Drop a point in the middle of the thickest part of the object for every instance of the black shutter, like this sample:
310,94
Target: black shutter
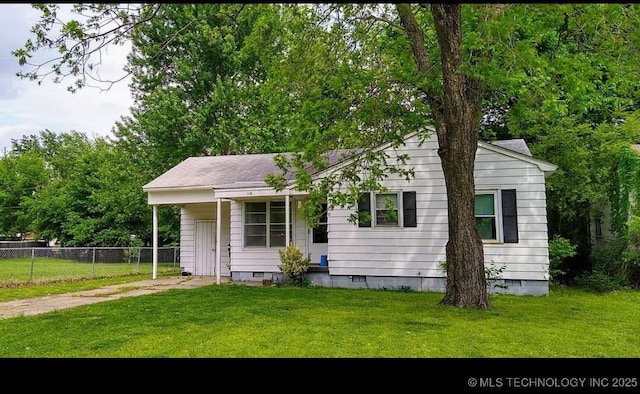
509,216
409,209
364,207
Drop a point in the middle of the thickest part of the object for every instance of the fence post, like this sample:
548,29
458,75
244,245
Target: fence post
175,249
93,264
138,266
32,258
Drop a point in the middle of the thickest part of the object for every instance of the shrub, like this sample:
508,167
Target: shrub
293,265
601,283
559,249
619,257
492,274
630,266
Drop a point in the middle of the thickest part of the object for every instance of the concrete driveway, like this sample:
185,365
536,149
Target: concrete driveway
39,305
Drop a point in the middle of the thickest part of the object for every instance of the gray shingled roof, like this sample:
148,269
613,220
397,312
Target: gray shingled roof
241,171
516,145
223,172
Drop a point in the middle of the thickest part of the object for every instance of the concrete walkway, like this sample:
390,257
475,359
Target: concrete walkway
39,305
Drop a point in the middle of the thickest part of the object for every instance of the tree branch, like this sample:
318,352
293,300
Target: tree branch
77,57
421,57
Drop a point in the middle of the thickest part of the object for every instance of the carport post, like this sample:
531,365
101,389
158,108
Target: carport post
287,218
155,242
218,240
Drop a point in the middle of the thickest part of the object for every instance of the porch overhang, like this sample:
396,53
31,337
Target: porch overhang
256,192
178,196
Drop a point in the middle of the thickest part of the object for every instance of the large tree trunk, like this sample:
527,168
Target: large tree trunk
466,282
457,117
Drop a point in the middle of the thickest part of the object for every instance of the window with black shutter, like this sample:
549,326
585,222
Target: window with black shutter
485,211
489,208
387,209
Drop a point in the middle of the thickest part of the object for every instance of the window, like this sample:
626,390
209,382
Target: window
255,224
496,215
396,209
386,209
485,213
598,228
265,222
277,224
320,231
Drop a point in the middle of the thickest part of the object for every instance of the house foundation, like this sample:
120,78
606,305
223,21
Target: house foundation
320,277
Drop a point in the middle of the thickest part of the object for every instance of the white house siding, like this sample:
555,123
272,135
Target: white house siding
529,258
259,263
420,251
189,213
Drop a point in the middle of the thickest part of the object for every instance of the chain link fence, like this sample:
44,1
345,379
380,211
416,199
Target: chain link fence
58,263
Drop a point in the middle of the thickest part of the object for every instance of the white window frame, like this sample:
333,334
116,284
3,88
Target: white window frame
268,225
245,224
497,211
374,206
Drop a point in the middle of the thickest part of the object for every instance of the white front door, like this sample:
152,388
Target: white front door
318,245
205,245
316,249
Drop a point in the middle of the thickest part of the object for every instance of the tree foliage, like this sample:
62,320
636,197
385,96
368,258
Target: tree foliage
200,91
21,176
339,98
624,189
199,77
79,42
567,85
84,196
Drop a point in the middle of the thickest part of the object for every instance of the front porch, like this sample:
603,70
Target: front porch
238,234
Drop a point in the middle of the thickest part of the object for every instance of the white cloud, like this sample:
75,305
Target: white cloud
28,108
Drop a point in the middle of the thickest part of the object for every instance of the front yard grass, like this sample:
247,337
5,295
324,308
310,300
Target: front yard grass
237,321
24,270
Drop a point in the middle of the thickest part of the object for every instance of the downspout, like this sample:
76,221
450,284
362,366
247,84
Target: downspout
218,241
155,242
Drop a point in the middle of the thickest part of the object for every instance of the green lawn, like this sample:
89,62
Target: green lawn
22,270
237,321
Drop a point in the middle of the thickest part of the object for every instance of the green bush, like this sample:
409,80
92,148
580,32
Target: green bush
600,282
559,249
630,266
492,274
606,256
293,265
619,257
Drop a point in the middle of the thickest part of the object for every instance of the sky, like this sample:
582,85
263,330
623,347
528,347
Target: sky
27,108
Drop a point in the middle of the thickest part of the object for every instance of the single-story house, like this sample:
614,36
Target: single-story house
232,224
